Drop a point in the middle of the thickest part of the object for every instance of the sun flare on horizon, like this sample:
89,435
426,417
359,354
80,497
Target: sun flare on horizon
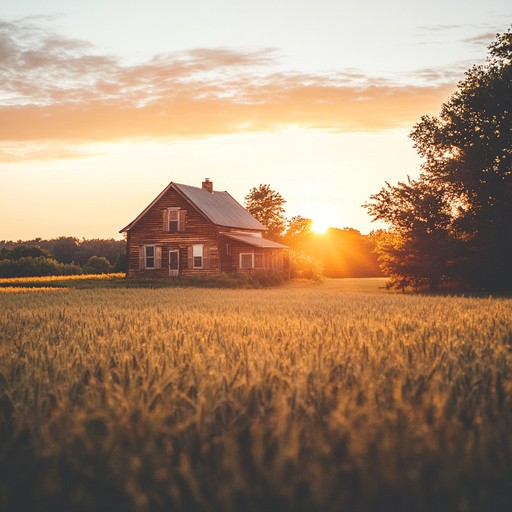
320,224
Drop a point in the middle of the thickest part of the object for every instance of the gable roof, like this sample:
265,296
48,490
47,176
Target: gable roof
218,207
221,208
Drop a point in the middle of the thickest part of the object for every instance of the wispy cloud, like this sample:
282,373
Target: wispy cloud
56,92
481,39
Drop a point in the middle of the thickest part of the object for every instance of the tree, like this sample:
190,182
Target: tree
23,251
418,249
298,230
456,217
64,248
97,265
267,206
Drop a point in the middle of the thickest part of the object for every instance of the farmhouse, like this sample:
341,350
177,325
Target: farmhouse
190,230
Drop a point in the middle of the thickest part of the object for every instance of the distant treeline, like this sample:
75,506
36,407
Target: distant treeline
61,256
337,253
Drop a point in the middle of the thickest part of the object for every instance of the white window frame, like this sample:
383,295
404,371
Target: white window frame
197,252
242,254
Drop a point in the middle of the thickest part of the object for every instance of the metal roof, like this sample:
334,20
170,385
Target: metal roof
256,241
220,207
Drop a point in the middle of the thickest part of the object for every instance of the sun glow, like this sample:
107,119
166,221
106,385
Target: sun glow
320,224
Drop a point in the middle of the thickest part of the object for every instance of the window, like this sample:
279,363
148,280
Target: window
258,260
246,260
228,250
150,257
174,220
197,254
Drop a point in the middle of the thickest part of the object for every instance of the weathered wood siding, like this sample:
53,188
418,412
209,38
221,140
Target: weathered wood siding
149,230
269,257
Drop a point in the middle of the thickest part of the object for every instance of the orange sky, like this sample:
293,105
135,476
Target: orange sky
85,130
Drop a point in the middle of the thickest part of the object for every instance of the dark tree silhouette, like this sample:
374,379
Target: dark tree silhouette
460,208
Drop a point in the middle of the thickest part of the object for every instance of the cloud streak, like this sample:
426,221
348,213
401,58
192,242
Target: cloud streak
55,90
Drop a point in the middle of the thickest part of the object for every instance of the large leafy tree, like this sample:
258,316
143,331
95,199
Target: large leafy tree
418,249
267,206
467,169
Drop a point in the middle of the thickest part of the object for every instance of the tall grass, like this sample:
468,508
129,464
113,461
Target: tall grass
299,398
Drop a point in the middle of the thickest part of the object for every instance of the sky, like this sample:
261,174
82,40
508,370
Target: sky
104,103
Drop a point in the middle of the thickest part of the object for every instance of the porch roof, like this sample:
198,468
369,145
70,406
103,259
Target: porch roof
255,241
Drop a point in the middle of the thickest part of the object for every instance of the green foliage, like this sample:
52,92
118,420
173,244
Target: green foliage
456,216
419,248
303,266
113,250
23,251
97,265
298,231
67,249
336,253
69,252
118,280
39,266
267,206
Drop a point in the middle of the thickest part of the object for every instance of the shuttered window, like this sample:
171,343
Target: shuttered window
174,220
197,253
150,257
198,256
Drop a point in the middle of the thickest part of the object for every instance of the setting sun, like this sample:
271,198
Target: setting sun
320,224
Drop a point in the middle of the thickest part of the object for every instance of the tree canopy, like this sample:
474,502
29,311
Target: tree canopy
455,221
267,206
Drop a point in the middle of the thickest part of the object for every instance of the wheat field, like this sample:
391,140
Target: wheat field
336,396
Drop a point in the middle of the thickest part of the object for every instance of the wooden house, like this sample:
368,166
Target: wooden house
190,230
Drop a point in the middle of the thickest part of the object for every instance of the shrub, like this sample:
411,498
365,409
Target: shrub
36,267
97,265
304,266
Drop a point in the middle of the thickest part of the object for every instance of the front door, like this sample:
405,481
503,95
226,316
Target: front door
174,262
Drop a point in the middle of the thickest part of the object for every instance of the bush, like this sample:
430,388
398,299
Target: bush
97,265
306,267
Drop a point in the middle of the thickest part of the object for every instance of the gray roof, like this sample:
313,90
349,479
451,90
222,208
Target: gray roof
219,207
256,241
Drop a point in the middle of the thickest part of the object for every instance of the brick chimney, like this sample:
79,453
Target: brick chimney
208,185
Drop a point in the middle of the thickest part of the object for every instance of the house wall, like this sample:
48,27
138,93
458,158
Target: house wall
149,230
273,260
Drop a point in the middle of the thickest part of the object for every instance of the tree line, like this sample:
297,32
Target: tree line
61,256
452,226
337,253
